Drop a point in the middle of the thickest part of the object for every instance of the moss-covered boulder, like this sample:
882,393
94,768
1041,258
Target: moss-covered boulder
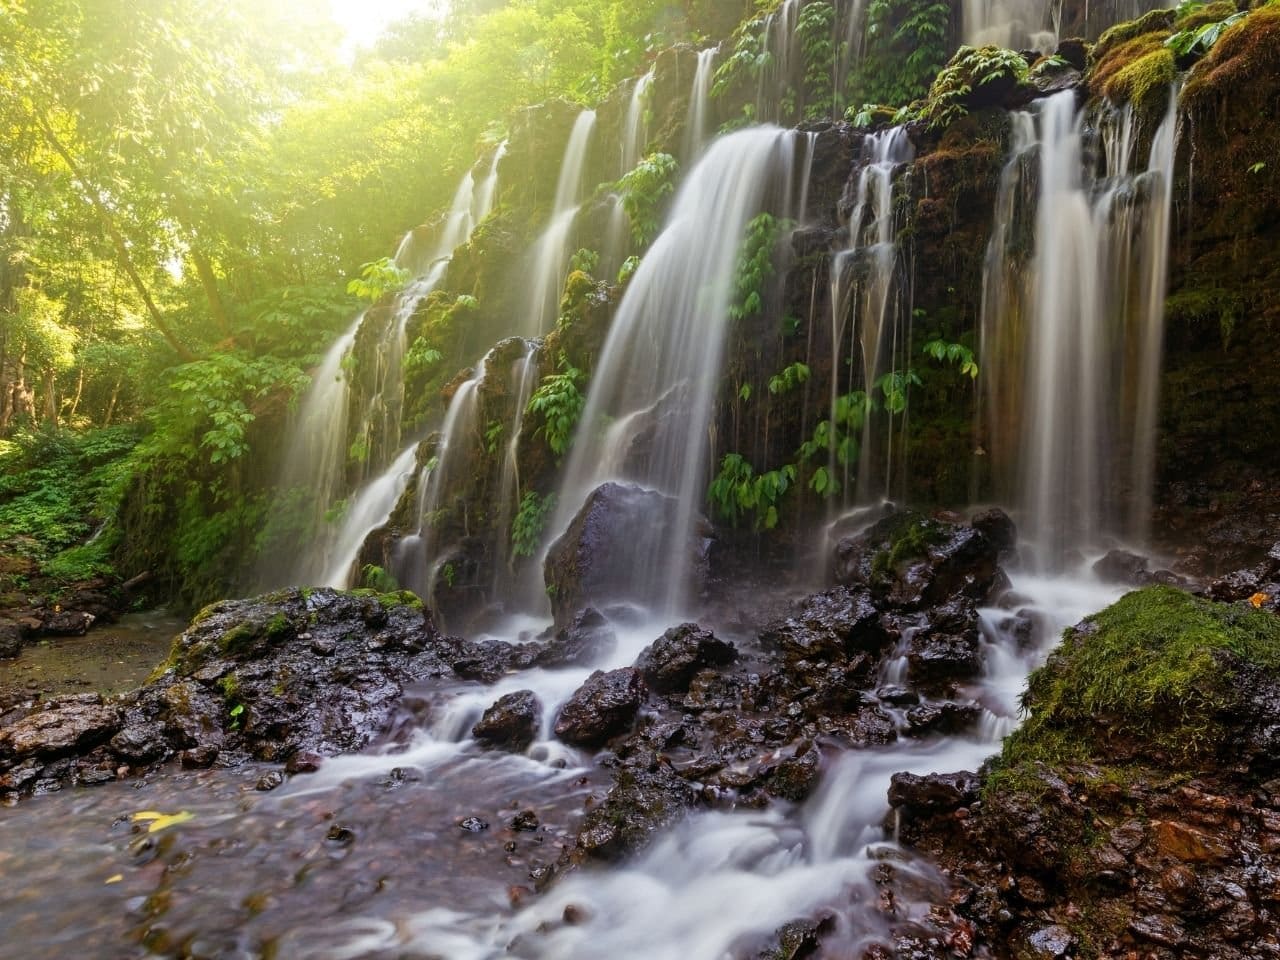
1137,811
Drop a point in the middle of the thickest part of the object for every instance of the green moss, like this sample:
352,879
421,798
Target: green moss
1144,82
1210,13
389,601
1148,671
1246,54
909,540
1206,305
239,638
1121,33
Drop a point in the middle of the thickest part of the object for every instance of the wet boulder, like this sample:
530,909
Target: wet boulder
65,727
998,527
586,639
10,640
670,662
603,707
910,561
595,561
934,792
1121,566
640,802
937,659
67,623
830,625
511,723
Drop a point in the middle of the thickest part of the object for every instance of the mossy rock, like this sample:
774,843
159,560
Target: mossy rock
975,77
1154,680
1135,71
1157,21
1247,53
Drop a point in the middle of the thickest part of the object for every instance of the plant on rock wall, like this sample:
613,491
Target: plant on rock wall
529,522
953,353
643,190
584,260
420,357
378,278
814,27
738,491
558,401
1200,40
376,578
755,265
906,46
975,76
789,378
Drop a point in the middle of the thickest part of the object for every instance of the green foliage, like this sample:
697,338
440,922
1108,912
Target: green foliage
493,436
905,48
1199,40
584,261
791,377
755,265
643,191
420,357
558,403
738,492
894,387
377,279
814,28
376,578
529,523
953,353
974,75
55,488
628,268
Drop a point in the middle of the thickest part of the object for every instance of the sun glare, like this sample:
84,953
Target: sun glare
362,21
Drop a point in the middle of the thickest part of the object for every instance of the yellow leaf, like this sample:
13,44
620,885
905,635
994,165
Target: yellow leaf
116,878
161,821
1258,599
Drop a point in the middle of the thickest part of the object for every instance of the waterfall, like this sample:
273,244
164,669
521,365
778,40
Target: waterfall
523,377
656,380
1077,352
1013,24
864,281
781,56
635,137
695,126
315,470
551,252
369,508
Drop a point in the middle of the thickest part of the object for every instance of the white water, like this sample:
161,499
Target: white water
659,370
1088,339
1013,24
551,252
635,136
697,119
718,879
864,278
317,457
523,377
781,58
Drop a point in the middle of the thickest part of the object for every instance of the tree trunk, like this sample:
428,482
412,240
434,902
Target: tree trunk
49,387
209,283
111,404
75,401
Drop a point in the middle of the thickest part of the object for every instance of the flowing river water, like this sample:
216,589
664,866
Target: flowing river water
372,856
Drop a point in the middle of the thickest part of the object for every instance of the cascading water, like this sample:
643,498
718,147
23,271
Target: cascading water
656,379
1088,335
780,57
316,469
551,252
369,508
524,375
416,553
634,138
864,283
696,122
1013,24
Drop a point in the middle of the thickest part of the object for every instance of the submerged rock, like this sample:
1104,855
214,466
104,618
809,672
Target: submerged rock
586,639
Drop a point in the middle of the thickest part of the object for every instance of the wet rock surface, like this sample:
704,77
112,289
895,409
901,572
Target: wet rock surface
315,672
601,708
511,723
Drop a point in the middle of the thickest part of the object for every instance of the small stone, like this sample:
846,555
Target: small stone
525,820
473,824
1052,941
340,835
269,781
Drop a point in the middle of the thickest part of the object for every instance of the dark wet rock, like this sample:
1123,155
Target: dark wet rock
897,696
944,718
244,681
586,639
670,662
68,726
830,625
304,761
473,824
594,561
796,776
525,820
710,690
640,802
938,659
935,792
1054,940
603,707
511,723
908,560
67,623
998,527
10,640
1121,566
